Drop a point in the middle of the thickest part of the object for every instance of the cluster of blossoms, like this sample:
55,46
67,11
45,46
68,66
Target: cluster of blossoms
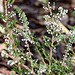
4,20
42,69
28,73
9,5
11,14
72,33
62,12
7,37
3,17
45,8
11,49
21,56
4,54
25,31
68,48
53,7
52,21
11,62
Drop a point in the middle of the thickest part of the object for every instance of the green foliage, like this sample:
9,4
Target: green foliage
23,57
47,1
17,43
43,5
74,13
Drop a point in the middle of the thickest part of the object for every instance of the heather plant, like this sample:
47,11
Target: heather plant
19,56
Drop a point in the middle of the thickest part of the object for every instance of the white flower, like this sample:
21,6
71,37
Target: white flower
11,52
4,54
8,62
11,62
45,8
60,8
21,56
15,61
24,58
7,41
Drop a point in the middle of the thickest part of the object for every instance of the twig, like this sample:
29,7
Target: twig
31,58
52,41
50,12
11,32
19,66
6,15
51,54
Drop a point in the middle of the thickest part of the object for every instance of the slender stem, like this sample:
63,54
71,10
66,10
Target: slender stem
19,66
50,12
60,34
6,15
31,59
51,54
52,41
11,32
59,73
40,53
